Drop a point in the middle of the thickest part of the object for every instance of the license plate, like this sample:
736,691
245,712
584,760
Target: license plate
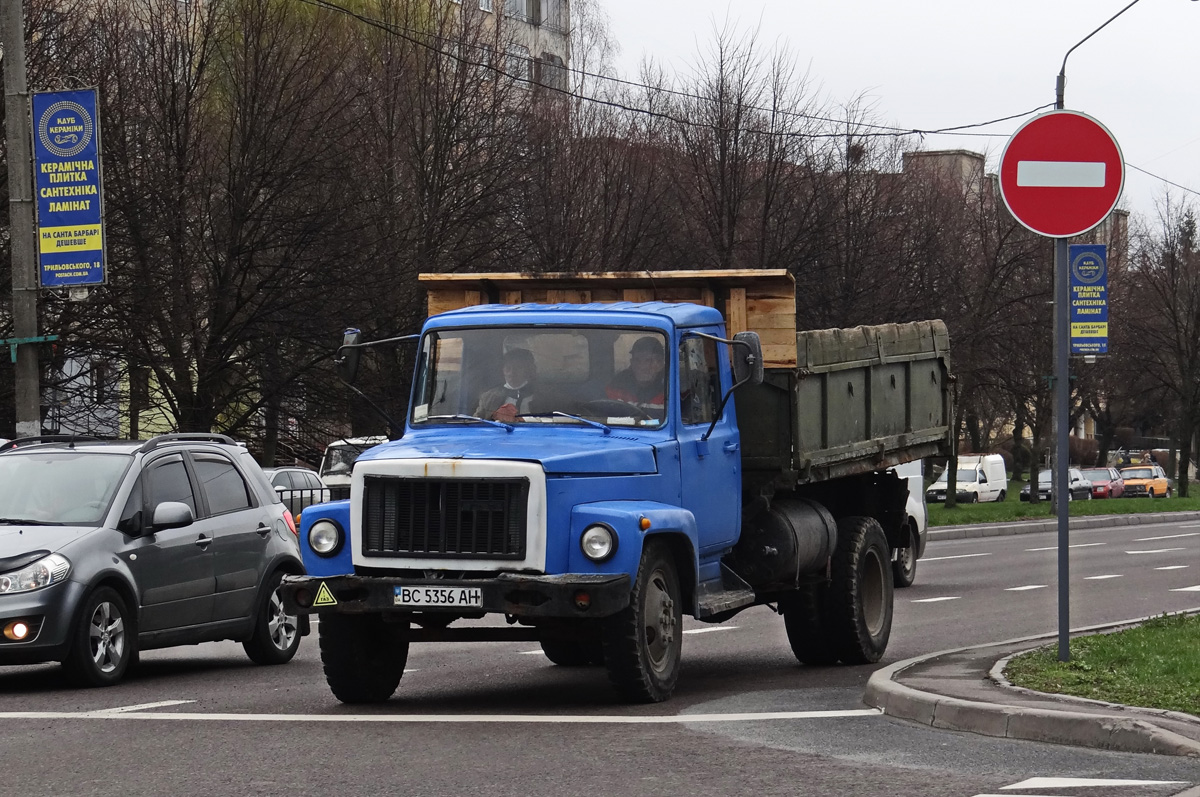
453,597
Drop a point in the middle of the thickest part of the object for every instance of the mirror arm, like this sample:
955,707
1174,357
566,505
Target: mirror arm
341,349
395,427
732,389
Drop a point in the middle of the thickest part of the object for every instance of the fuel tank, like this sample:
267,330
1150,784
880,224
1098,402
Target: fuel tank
793,536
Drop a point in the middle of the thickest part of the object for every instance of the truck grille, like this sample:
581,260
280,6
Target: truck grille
432,518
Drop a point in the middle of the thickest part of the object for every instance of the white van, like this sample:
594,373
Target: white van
904,560
338,461
981,477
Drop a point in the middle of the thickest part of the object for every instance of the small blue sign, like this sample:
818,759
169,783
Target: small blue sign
1089,298
66,168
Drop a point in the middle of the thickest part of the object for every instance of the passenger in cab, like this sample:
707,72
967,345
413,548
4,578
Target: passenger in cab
643,383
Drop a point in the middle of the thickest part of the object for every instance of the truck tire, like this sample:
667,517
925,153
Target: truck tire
643,643
858,603
363,656
904,567
803,617
571,653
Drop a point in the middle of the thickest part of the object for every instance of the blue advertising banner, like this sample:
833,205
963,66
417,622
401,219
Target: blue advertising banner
66,168
1089,298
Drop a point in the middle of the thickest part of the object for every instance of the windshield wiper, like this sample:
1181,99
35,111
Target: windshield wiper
22,521
506,426
558,414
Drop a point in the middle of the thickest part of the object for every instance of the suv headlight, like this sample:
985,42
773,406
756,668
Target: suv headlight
42,573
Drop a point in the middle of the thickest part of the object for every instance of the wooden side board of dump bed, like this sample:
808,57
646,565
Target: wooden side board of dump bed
763,301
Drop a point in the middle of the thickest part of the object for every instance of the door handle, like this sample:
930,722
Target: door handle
263,529
730,446
203,542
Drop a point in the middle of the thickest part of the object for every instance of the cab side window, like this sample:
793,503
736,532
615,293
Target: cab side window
224,487
699,380
167,480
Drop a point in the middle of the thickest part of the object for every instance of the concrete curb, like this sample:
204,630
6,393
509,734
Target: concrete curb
937,533
1105,731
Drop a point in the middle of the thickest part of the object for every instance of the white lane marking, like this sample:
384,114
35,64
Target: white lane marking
1098,578
1173,567
1024,588
1158,550
1188,589
1075,783
960,556
934,600
1189,525
542,719
1060,174
537,652
140,707
1169,537
1010,794
708,630
1077,545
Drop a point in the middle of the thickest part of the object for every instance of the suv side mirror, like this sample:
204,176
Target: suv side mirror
347,355
747,358
172,515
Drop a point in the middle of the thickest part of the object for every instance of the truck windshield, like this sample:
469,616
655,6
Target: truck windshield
609,375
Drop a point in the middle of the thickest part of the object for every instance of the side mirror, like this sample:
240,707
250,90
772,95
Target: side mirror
172,515
747,358
347,355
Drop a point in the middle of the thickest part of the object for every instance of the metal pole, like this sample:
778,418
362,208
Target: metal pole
1062,422
20,214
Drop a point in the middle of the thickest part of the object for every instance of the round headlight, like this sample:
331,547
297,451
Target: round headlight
325,537
598,542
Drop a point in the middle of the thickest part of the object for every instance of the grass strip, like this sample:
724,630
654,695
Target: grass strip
1155,665
1014,509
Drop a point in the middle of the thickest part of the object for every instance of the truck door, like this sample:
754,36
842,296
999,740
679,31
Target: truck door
711,469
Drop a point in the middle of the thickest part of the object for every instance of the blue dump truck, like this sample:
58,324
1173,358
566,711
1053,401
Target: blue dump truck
588,457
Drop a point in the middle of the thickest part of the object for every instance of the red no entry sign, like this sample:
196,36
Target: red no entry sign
1061,173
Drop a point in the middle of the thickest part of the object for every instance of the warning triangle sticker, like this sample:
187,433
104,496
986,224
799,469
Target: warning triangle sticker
324,596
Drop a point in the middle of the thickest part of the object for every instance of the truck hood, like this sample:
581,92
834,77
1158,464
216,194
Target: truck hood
581,452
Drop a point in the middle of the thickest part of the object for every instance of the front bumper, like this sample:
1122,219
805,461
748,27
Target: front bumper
508,593
939,496
49,611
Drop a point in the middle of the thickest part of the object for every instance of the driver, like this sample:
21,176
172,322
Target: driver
515,396
643,383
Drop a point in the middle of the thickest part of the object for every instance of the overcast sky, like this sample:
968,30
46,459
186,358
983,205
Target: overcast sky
928,64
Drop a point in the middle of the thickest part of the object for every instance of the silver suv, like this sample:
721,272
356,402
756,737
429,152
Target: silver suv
111,548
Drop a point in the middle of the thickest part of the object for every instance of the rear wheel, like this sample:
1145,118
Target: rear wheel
858,609
105,640
1003,495
643,644
904,566
363,656
804,620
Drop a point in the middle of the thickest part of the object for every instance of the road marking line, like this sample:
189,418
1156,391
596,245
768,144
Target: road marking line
1158,550
544,719
934,600
1169,537
537,652
1098,578
1077,545
707,630
1188,589
1172,567
1024,588
1073,783
1189,525
1060,174
960,556
140,707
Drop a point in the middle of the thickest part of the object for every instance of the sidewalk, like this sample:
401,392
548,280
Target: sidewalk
964,689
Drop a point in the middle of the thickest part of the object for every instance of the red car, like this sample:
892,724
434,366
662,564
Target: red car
1106,482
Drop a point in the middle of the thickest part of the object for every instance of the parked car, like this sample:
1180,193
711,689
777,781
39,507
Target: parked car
1146,480
979,477
1106,482
111,548
297,488
904,561
1079,488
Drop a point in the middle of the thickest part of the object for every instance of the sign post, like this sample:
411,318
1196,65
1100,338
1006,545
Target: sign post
1061,174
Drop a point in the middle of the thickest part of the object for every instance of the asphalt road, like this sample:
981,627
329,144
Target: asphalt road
499,719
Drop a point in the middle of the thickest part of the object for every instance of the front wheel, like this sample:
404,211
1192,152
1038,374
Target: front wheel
363,656
105,640
904,566
276,635
643,644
